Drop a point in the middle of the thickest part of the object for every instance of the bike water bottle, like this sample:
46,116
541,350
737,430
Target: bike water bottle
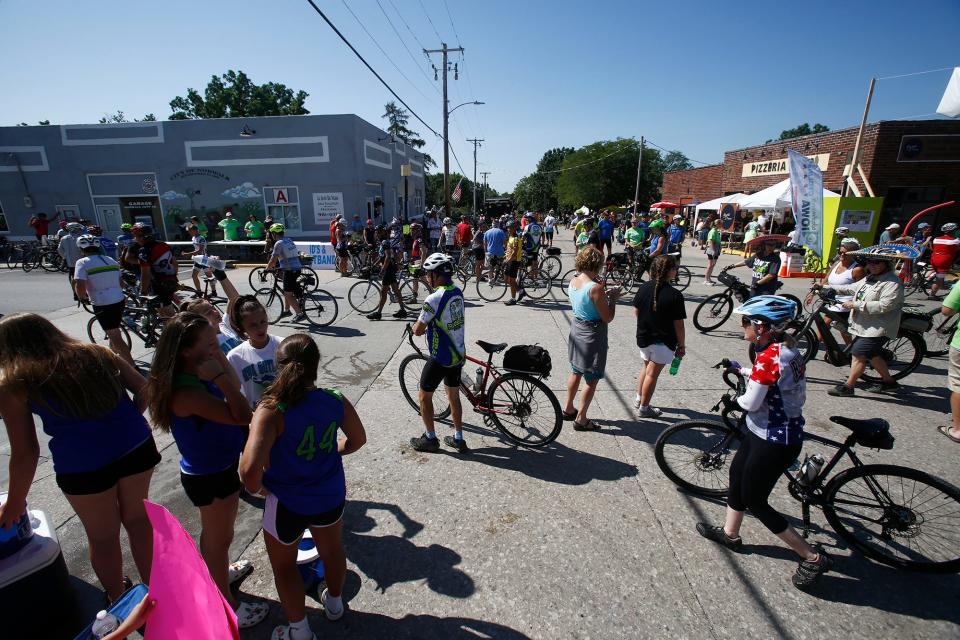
105,624
811,468
478,381
675,365
466,380
144,323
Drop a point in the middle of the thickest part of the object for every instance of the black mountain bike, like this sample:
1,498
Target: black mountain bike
896,515
319,305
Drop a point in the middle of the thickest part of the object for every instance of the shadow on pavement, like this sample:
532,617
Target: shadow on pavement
556,463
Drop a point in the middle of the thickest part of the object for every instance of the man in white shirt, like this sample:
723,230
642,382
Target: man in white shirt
548,223
97,279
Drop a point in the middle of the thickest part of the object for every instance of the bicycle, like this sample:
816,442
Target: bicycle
143,319
492,285
812,263
258,276
364,296
516,403
716,308
884,511
937,338
319,305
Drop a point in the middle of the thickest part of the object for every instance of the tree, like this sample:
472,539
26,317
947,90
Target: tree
676,161
802,130
538,191
41,123
398,119
604,173
119,116
234,95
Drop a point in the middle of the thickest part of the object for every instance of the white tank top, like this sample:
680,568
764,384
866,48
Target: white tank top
840,279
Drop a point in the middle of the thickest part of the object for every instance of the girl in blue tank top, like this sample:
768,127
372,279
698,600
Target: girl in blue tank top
103,452
195,394
294,456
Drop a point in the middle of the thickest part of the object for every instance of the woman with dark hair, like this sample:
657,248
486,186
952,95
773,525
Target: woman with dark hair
659,310
102,449
194,393
295,458
593,309
658,239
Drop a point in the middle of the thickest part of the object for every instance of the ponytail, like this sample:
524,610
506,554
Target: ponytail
660,270
298,359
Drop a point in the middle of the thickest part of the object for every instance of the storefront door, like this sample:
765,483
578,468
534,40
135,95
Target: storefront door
109,218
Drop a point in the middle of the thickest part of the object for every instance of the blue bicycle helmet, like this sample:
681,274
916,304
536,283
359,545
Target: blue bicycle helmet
773,310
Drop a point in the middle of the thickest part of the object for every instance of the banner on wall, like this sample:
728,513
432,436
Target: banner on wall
806,196
323,253
326,206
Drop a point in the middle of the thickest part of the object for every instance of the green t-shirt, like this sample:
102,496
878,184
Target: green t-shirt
583,239
714,235
952,301
634,237
201,227
254,230
231,228
578,228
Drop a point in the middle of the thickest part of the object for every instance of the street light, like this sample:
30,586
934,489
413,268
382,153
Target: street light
465,103
446,146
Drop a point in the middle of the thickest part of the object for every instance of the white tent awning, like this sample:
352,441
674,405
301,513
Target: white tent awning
714,205
775,197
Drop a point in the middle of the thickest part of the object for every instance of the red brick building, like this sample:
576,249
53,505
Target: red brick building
912,164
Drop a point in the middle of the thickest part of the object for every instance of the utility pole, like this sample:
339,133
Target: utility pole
636,191
444,50
485,174
476,143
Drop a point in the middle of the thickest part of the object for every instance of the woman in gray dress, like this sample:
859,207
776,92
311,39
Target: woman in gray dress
593,309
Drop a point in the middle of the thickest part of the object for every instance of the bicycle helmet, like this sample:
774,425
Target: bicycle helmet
922,226
88,241
656,224
447,221
126,226
276,228
775,311
851,244
75,227
841,231
369,222
948,228
439,263
528,215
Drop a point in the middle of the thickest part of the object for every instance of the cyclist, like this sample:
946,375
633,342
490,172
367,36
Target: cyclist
495,244
477,248
658,239
531,239
945,249
605,229
442,319
369,234
158,268
773,403
514,258
548,224
342,246
62,231
418,253
463,235
712,251
286,257
97,279
846,271
199,251
448,236
388,276
675,233
633,239
766,269
356,229
69,251
124,240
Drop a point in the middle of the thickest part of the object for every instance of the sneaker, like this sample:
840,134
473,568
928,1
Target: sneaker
286,314
883,387
402,313
300,317
373,316
331,615
717,534
841,391
457,443
636,403
807,572
709,283
521,295
510,302
423,443
648,412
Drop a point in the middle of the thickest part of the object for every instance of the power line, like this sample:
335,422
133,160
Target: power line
447,7
400,15
385,54
918,73
439,37
463,62
629,143
410,53
367,65
654,144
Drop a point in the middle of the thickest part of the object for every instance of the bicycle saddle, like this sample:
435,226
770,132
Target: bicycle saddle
490,347
873,432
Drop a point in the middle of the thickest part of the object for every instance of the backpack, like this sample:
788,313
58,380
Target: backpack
529,358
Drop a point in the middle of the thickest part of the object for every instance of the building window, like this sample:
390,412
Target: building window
68,211
4,227
283,205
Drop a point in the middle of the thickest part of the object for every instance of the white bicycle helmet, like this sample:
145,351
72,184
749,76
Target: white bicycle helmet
447,221
439,263
841,231
949,227
88,242
850,243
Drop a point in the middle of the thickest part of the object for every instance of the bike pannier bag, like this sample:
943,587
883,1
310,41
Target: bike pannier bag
916,321
553,251
529,358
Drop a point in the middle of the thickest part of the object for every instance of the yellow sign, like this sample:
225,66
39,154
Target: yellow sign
779,166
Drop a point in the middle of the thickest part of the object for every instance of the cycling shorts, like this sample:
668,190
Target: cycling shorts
291,283
513,268
203,489
287,526
109,316
478,252
164,290
433,372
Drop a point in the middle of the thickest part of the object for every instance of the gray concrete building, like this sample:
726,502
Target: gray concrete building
301,170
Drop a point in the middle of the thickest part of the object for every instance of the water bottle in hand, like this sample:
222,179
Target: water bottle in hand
675,365
105,624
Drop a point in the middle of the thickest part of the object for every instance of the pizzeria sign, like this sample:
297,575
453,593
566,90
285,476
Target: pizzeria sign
779,166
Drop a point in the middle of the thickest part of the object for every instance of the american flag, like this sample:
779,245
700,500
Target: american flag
457,192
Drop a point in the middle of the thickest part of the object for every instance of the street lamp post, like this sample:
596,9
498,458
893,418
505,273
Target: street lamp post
446,144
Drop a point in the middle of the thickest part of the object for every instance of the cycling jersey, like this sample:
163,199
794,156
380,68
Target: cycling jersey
532,236
199,245
775,395
514,248
159,257
108,247
287,254
102,277
443,314
945,249
676,233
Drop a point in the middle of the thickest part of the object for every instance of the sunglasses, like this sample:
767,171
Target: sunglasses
876,261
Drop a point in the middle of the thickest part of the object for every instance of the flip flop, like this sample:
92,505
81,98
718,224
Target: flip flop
250,614
590,425
239,570
567,417
945,430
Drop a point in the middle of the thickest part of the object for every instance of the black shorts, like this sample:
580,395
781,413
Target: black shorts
288,526
164,290
530,259
548,234
513,268
343,252
109,316
142,458
433,372
494,261
390,275
290,283
478,252
608,243
867,347
202,489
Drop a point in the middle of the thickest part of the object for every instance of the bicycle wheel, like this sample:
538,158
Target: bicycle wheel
410,369
259,278
712,312
94,330
364,296
14,256
552,266
412,300
567,277
927,276
308,279
538,285
50,261
696,455
272,301
466,266
938,336
321,307
682,281
30,260
525,410
898,516
492,289
903,354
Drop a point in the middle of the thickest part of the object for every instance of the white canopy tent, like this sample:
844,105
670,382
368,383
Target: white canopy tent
776,197
716,203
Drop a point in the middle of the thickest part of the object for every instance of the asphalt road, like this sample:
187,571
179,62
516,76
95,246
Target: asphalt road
583,539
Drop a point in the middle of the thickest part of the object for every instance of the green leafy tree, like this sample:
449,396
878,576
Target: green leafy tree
676,161
433,183
538,191
41,123
234,95
119,116
604,174
802,130
397,117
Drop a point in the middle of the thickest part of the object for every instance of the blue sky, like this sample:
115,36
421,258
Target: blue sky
699,76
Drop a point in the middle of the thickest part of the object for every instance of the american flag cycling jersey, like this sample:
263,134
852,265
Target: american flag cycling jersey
775,394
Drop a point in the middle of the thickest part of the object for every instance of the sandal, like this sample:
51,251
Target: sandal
567,417
589,425
283,633
251,613
239,570
945,430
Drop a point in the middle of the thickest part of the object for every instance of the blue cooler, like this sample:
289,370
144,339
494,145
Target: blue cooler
14,538
36,599
308,561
